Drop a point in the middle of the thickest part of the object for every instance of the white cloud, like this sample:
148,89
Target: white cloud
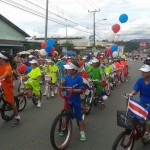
76,11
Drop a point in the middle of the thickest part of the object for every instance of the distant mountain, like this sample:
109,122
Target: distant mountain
140,40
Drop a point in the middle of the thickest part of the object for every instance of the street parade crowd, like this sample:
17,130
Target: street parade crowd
33,70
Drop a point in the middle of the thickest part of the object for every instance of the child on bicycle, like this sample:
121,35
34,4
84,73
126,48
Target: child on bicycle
34,83
142,86
7,83
96,73
52,71
74,78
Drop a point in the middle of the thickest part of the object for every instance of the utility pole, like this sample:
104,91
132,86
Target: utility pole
94,23
46,20
66,29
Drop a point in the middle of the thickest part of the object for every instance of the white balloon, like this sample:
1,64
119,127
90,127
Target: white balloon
115,54
110,37
43,52
116,38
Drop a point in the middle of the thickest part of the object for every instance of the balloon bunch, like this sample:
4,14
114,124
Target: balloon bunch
47,48
112,51
123,18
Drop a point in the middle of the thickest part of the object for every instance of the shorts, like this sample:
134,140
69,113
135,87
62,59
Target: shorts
77,111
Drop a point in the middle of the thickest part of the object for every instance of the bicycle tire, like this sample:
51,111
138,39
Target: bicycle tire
121,138
88,103
35,99
115,81
21,102
107,90
95,101
122,78
67,131
7,112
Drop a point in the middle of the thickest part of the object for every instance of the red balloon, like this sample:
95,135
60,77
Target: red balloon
109,52
22,68
116,28
43,45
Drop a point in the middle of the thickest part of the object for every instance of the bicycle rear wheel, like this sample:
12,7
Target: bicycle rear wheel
36,98
61,131
123,141
7,112
122,77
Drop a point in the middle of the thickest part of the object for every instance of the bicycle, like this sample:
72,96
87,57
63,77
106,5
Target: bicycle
49,86
134,129
6,110
87,101
61,129
97,100
23,96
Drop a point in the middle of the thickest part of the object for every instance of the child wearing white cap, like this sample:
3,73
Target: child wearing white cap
142,86
74,78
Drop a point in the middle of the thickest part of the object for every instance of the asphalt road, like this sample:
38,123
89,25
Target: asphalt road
101,127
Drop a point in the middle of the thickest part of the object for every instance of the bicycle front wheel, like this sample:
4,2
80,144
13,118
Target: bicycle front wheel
61,131
124,141
88,104
20,102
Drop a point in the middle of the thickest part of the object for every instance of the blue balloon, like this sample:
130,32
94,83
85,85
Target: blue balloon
51,42
123,18
28,69
48,48
114,48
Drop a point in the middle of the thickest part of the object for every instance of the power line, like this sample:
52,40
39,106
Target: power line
51,12
36,13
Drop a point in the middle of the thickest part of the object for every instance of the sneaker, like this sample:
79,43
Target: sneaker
146,137
44,94
52,95
39,104
55,91
16,122
82,137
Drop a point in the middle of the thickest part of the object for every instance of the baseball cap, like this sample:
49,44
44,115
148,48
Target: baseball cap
95,60
33,61
72,66
145,68
31,56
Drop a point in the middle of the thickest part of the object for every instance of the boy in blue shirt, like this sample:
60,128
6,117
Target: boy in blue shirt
142,86
73,78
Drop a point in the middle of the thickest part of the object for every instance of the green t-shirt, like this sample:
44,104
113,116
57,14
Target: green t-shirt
95,73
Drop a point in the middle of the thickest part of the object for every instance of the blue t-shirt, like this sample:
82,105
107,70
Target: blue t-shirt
70,82
144,90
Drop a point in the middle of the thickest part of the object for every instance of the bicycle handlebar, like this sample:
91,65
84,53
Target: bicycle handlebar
65,88
70,90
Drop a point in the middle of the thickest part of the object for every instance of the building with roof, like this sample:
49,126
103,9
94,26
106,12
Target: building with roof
11,36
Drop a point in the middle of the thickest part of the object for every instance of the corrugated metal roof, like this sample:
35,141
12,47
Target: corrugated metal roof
10,43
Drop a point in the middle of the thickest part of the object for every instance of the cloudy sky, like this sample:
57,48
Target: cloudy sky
75,18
